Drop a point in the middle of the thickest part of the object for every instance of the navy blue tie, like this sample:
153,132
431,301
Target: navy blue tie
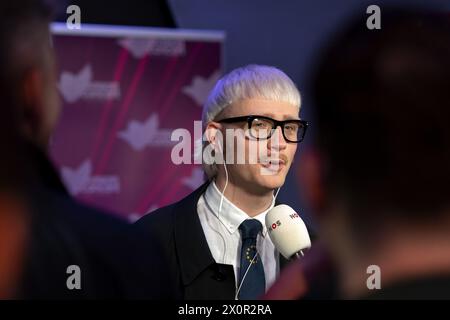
254,284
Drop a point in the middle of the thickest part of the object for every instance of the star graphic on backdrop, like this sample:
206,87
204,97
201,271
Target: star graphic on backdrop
200,87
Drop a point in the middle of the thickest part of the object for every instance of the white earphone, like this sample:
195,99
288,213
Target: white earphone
218,216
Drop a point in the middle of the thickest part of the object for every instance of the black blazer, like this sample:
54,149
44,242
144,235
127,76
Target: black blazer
190,262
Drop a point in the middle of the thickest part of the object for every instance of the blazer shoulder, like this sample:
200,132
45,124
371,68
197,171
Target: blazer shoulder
162,222
161,219
165,217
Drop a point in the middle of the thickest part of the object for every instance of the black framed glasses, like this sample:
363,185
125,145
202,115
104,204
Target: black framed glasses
262,128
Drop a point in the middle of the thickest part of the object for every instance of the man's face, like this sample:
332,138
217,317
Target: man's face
267,161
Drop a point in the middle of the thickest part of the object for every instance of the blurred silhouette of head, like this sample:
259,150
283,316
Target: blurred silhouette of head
383,104
27,69
378,176
28,109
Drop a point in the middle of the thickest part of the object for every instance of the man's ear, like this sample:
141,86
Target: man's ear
213,134
310,173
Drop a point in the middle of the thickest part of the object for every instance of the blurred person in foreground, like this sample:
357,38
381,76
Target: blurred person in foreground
14,217
54,235
378,179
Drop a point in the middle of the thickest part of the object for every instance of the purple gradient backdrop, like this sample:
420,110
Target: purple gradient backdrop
88,130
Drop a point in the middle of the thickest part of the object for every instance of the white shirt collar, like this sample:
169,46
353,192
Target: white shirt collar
231,216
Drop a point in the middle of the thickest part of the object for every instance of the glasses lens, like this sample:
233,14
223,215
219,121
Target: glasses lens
293,131
261,128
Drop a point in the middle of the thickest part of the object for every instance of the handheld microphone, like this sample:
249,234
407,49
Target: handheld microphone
287,231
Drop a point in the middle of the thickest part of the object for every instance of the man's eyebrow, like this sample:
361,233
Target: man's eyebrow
285,117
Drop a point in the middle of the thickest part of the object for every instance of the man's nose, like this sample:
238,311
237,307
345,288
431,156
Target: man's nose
277,141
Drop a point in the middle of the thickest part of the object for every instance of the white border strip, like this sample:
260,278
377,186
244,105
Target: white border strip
59,28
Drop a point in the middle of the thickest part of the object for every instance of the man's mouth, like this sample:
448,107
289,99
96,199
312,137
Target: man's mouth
274,165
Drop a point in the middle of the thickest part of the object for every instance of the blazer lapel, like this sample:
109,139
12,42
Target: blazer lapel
190,241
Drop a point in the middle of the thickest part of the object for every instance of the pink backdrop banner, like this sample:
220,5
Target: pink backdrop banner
124,90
